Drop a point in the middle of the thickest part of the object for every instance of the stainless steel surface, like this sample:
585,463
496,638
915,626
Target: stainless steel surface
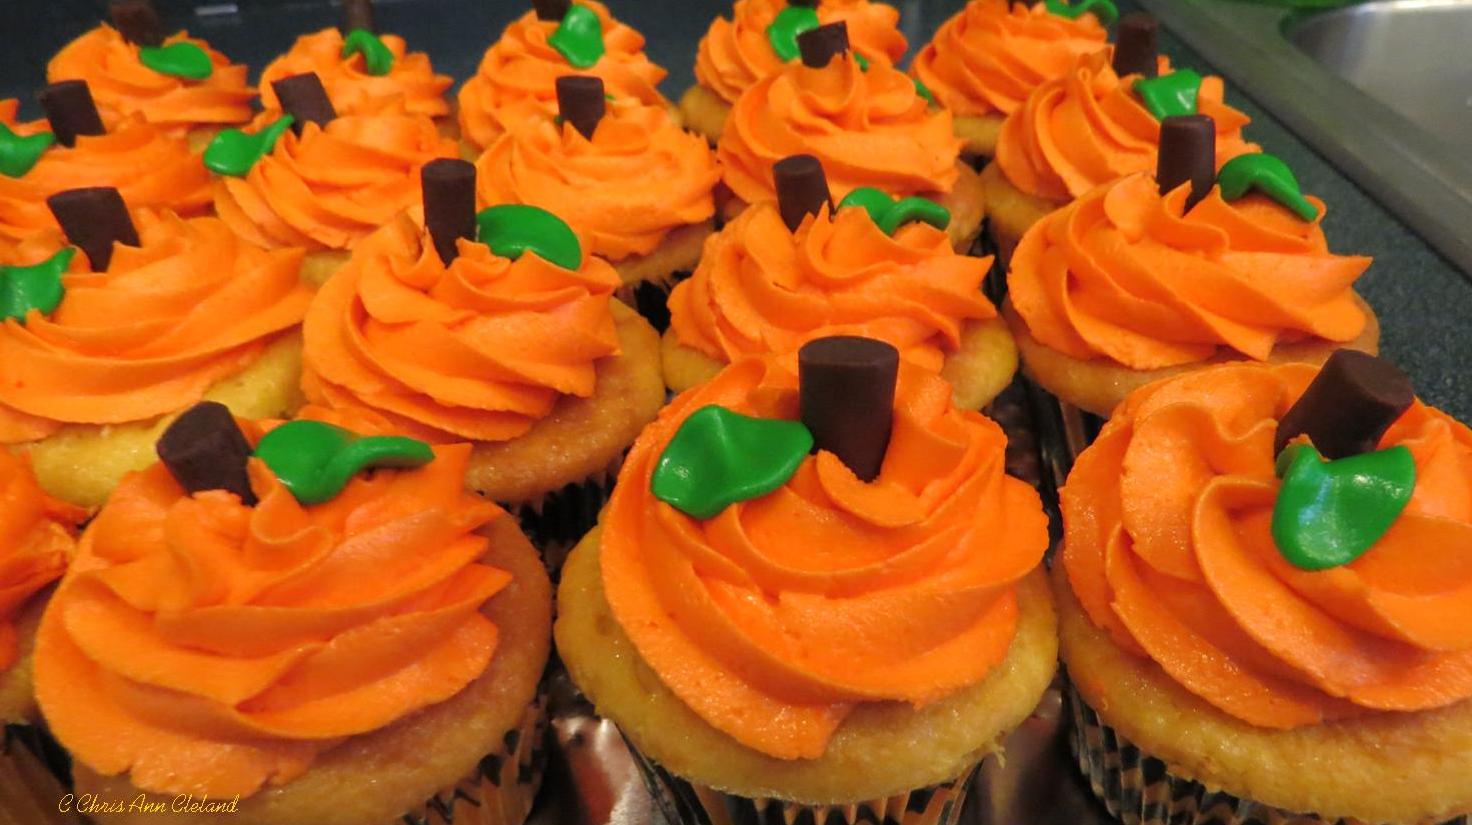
1408,54
1425,181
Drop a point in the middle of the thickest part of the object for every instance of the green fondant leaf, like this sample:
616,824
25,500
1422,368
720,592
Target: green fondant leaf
719,457
1170,95
579,37
1269,175
789,23
180,59
1105,10
1329,513
18,155
511,230
315,460
889,215
235,153
377,58
39,286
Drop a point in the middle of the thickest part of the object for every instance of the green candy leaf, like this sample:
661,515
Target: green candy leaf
889,215
1105,10
862,61
1270,176
1329,513
719,457
579,37
377,58
24,288
789,23
18,155
315,460
235,153
1170,95
511,230
180,59
924,91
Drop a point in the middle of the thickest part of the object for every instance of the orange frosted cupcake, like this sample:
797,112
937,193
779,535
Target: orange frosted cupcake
1264,600
1127,285
178,84
512,342
869,128
1108,130
623,175
768,286
139,320
984,61
761,37
280,650
557,38
723,614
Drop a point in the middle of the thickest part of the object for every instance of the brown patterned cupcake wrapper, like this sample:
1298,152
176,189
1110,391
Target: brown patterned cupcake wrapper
683,803
29,789
1138,789
557,521
651,298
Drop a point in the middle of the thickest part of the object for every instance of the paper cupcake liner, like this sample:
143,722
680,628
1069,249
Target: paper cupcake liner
651,298
30,791
1138,789
684,803
502,788
559,519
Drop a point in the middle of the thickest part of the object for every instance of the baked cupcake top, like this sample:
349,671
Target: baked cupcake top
990,56
200,644
38,536
758,610
1289,595
734,54
869,128
523,66
359,70
1129,274
183,307
1090,126
624,187
149,167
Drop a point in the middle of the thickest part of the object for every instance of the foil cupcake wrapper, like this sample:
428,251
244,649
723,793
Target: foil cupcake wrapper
502,788
559,519
651,298
684,803
30,791
1138,789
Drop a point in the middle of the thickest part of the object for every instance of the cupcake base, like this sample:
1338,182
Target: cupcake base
980,133
319,266
1010,211
704,112
648,279
29,792
502,788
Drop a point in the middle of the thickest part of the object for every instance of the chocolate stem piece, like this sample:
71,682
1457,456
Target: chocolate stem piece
581,102
819,46
71,111
551,10
846,391
1135,45
1348,406
303,97
807,4
93,220
1187,153
449,204
137,21
357,14
204,449
802,188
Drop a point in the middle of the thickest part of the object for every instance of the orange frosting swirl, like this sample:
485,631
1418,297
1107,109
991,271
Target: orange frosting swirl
190,307
868,128
479,350
331,187
38,535
763,289
147,167
522,68
350,87
1169,548
1122,273
202,646
763,618
735,53
124,88
990,56
1087,128
640,177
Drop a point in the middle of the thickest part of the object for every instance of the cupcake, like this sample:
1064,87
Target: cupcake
624,175
178,84
139,319
74,151
1264,600
255,629
1146,277
1095,124
518,73
984,61
498,329
314,180
838,637
786,273
761,37
869,128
